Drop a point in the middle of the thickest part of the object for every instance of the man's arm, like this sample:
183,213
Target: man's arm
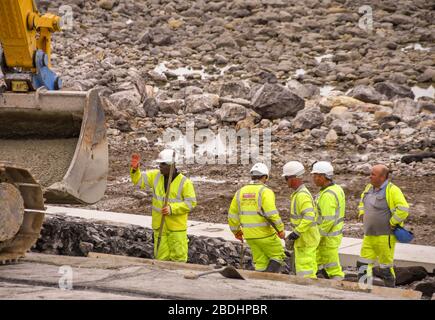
400,210
233,216
305,205
189,200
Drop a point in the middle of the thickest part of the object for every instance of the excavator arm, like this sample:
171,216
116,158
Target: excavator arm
53,143
25,36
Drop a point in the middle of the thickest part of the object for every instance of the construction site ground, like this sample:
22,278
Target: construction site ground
99,276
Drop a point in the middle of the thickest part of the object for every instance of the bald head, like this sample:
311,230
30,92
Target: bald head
378,175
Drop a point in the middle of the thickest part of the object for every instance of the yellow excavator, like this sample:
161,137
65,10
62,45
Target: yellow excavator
53,144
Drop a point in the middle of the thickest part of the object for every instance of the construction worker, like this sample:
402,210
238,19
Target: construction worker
331,206
253,216
303,219
181,200
382,207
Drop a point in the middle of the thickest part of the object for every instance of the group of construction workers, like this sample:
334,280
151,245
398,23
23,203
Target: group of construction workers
317,222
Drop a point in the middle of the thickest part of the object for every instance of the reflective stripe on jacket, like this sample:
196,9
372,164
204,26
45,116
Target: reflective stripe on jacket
331,206
244,211
303,218
182,197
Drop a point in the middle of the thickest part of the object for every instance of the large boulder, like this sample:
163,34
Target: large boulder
307,119
394,90
274,101
231,112
366,94
201,102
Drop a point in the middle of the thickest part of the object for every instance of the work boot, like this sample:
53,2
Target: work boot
322,274
388,277
274,266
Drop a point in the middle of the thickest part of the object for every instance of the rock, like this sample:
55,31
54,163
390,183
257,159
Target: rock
426,105
405,132
341,112
303,90
404,275
171,105
418,157
327,103
123,125
249,122
284,124
366,94
404,107
187,91
150,106
383,113
407,275
273,101
236,89
107,4
394,90
201,102
427,76
231,112
225,41
331,137
126,100
342,127
158,77
307,119
85,248
160,36
243,102
427,288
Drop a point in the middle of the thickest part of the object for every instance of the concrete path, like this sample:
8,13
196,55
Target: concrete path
406,254
41,276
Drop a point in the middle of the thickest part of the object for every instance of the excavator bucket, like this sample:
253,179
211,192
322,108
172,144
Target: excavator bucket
60,137
21,212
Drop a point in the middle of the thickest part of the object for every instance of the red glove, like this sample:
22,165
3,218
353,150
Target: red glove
135,159
281,234
239,235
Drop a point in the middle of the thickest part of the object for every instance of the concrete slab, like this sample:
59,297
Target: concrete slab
406,254
129,278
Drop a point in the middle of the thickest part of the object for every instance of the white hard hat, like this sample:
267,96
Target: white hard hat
166,156
293,168
260,169
323,167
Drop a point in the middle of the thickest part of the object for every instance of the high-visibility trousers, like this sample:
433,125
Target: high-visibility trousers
265,249
173,246
380,249
305,262
329,260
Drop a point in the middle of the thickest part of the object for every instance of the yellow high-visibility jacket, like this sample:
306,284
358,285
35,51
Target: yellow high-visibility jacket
331,206
396,203
182,198
303,218
243,214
